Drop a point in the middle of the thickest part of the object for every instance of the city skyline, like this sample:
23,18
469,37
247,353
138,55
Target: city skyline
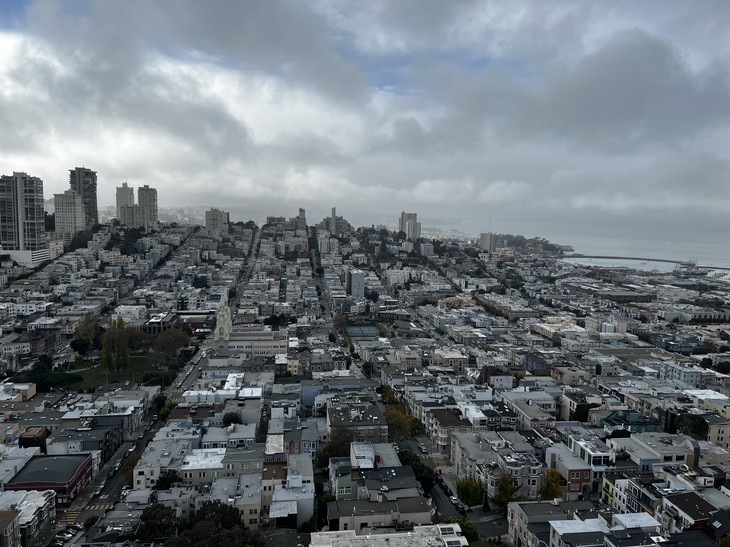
594,120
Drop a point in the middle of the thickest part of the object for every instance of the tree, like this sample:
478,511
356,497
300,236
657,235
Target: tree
468,528
337,447
166,344
80,346
158,403
158,522
221,514
470,491
398,425
115,347
507,490
415,425
205,534
725,542
723,367
551,487
231,418
423,474
693,425
389,396
167,479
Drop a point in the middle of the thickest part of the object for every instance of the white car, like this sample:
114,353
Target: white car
454,500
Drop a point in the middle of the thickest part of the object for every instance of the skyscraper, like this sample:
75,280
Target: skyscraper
413,230
83,182
22,222
488,242
147,201
70,218
216,221
125,198
406,218
356,283
333,221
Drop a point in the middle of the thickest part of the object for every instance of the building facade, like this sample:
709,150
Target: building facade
22,222
147,201
125,198
83,182
70,219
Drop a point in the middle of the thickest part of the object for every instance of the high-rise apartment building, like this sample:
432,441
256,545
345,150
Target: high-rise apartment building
216,221
300,222
125,198
488,242
22,219
356,283
134,216
413,230
406,218
83,182
70,219
147,200
333,221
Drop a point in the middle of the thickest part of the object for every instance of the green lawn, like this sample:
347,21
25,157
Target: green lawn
94,377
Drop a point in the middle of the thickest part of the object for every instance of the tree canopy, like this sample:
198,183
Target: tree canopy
470,491
551,487
507,490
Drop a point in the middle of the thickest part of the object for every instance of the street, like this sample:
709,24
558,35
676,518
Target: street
490,524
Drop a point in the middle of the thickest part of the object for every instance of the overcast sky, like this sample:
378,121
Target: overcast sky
600,119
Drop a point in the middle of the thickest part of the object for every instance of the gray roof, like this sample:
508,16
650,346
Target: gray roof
50,469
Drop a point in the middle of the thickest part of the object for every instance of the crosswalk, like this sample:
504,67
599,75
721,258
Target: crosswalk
69,518
99,507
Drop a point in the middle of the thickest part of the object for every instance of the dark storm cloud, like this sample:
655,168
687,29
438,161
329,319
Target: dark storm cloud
530,117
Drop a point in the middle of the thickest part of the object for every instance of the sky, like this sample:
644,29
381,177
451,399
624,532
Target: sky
592,121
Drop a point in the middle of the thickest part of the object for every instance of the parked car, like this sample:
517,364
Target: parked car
454,499
424,450
448,491
75,528
460,508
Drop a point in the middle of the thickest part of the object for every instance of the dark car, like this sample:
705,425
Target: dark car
460,508
448,491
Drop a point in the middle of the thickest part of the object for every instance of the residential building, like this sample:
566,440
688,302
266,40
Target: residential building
488,242
22,220
216,222
405,218
356,283
147,201
413,230
437,535
37,514
83,182
684,511
125,198
9,528
525,468
361,419
522,518
69,215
